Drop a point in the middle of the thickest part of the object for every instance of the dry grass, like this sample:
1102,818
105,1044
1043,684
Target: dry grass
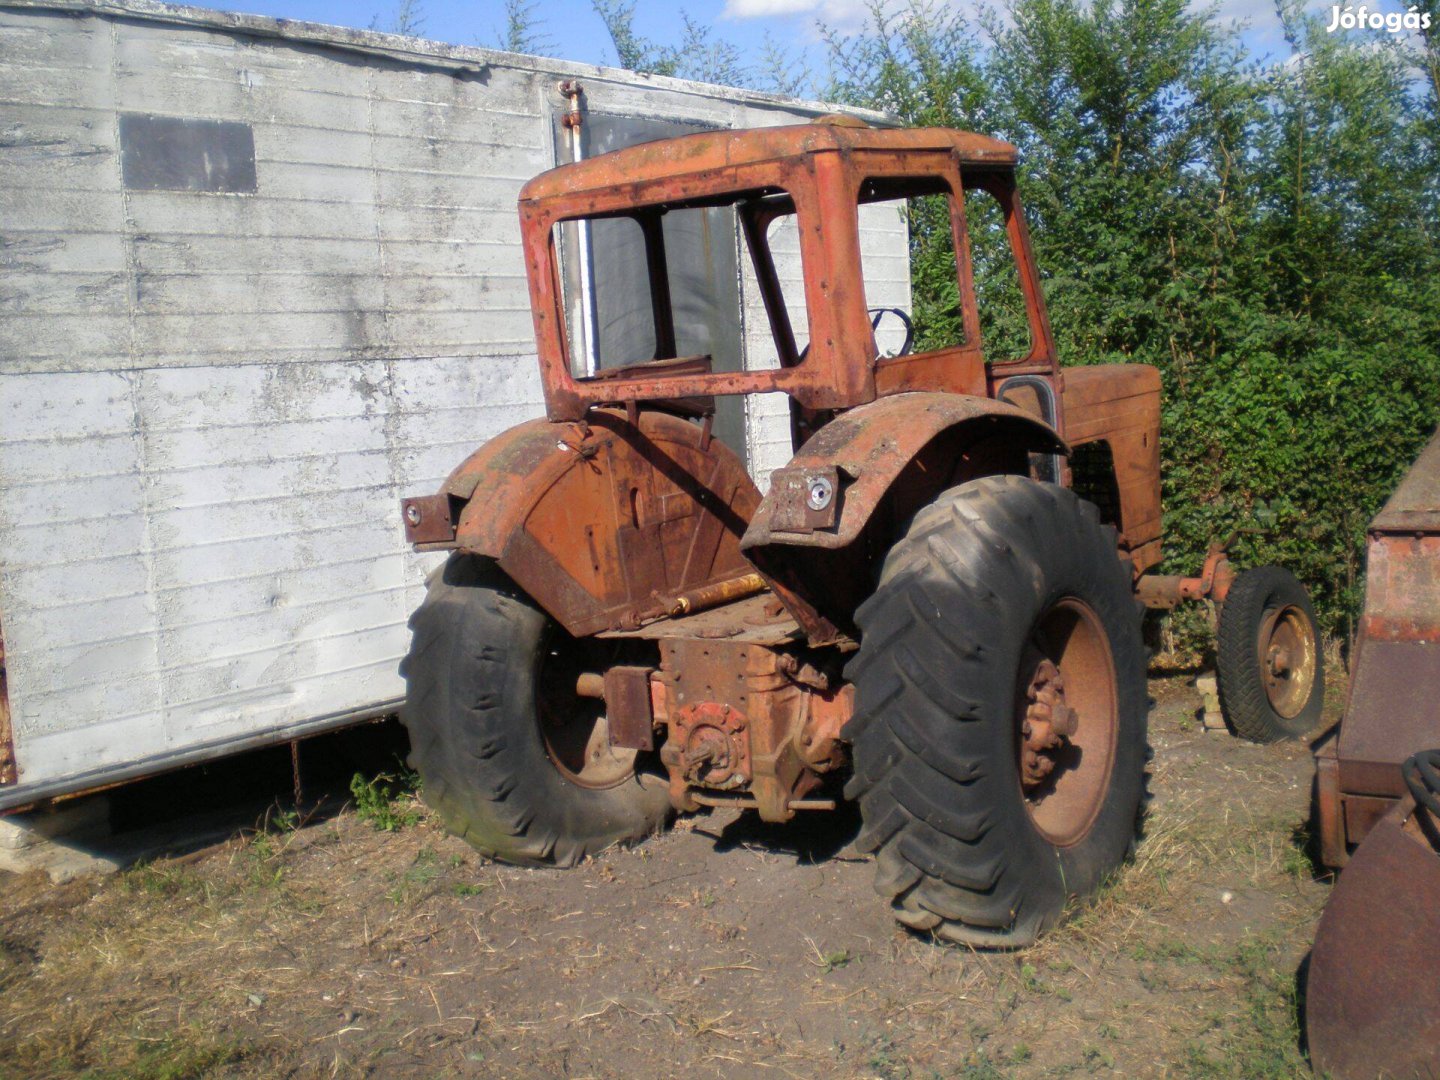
330,949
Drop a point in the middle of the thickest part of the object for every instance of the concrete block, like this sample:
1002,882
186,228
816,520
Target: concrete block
65,840
72,821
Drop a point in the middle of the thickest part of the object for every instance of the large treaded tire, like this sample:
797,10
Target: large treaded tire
477,648
935,737
1249,608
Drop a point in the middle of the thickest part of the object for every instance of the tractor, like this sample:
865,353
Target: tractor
933,611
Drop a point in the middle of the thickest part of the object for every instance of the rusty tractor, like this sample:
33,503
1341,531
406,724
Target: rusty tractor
934,610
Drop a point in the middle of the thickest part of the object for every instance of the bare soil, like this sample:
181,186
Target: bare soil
725,948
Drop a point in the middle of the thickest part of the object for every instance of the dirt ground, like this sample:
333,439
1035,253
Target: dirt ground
331,947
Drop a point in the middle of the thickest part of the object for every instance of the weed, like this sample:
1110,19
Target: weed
829,961
882,1060
1302,858
174,1058
1094,1058
1031,983
387,802
413,884
980,1067
466,888
1166,950
163,879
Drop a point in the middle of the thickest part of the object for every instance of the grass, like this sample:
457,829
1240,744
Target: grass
165,880
415,882
1267,1045
174,1058
420,938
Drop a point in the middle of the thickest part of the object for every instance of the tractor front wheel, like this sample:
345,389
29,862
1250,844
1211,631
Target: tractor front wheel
1268,658
512,758
999,735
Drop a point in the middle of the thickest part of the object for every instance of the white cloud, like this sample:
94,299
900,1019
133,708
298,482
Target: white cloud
766,9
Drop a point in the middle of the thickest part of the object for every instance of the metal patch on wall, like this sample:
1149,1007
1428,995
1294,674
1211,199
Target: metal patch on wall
176,153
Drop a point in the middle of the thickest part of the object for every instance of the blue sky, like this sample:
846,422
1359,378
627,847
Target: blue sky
577,33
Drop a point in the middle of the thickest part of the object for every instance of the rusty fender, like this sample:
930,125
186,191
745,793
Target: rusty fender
861,454
834,510
603,522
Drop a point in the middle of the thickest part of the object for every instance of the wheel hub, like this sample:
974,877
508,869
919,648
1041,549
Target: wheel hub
1063,765
1287,660
1047,726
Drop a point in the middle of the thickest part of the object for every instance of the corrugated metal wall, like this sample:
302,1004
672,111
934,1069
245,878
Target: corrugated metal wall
211,403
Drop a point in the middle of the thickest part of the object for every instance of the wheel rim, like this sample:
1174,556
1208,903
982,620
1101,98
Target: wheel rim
1288,659
1067,721
575,729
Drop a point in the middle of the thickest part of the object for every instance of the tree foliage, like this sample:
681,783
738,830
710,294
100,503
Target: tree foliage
1266,237
522,32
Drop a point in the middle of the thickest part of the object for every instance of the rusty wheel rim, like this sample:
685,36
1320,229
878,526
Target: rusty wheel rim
1288,655
1067,721
574,729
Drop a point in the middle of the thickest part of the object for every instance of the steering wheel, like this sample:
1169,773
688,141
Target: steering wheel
878,314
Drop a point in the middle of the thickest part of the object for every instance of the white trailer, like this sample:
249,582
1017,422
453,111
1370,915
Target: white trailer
260,279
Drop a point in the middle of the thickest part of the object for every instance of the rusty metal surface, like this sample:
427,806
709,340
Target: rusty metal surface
1119,404
629,708
1165,591
1395,668
752,620
605,523
803,500
618,180
1415,505
1329,816
428,519
746,721
1402,587
1373,997
817,172
890,457
709,596
871,445
9,773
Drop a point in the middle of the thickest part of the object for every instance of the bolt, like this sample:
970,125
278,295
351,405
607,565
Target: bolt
819,492
412,514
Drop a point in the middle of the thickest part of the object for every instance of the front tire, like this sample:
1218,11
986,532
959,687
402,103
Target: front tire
507,755
1003,613
1268,659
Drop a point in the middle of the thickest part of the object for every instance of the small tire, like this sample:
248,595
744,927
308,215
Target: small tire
964,848
475,684
1269,663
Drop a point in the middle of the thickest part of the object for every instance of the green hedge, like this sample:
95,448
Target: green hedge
1266,236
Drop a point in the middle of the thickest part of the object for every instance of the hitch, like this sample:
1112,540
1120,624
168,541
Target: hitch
1166,591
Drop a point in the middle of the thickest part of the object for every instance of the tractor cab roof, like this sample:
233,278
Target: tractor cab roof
665,160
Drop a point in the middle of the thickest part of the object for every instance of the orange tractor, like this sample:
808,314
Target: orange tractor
934,609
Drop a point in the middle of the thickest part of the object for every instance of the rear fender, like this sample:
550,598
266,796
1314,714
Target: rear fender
881,462
601,521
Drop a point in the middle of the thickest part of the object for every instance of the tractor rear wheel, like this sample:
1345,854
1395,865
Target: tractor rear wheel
999,734
516,763
1268,659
